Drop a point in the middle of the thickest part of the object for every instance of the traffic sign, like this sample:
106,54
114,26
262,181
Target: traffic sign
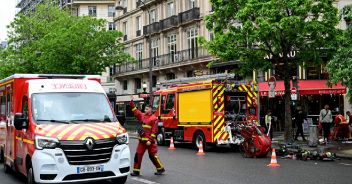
272,86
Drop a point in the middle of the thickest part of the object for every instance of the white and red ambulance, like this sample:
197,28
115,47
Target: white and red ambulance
62,129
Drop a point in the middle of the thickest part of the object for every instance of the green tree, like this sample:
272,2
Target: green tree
252,30
340,67
51,40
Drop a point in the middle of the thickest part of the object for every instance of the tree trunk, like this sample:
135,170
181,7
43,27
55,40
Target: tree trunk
288,118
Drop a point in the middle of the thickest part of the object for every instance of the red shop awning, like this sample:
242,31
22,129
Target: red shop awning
306,87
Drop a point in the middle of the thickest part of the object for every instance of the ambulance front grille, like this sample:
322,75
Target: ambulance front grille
77,152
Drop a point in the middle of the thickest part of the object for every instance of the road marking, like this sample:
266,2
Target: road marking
144,181
345,164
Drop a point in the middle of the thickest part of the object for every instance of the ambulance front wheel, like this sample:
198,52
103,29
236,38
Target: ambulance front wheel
160,138
30,175
120,180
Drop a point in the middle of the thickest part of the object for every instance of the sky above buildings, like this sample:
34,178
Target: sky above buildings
7,14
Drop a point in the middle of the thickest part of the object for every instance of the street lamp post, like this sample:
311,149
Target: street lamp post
150,59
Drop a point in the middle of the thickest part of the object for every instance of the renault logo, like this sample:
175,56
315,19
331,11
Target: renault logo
89,143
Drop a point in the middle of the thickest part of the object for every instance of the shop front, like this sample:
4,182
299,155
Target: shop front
312,96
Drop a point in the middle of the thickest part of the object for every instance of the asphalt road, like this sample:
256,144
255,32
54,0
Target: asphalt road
223,166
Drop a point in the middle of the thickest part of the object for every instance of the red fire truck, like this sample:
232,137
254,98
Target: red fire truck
61,128
199,111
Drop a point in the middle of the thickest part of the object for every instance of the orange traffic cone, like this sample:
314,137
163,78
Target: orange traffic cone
172,146
200,151
273,162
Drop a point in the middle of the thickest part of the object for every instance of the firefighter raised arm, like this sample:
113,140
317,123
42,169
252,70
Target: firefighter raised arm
146,139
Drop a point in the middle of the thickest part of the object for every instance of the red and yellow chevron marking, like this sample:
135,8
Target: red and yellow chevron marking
251,93
81,131
224,136
219,105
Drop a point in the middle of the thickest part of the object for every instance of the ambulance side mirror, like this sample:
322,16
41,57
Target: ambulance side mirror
20,121
121,117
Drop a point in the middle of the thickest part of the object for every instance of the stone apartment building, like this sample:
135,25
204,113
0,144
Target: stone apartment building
171,28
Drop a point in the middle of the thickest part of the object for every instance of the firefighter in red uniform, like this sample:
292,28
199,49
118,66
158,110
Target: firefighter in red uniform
147,135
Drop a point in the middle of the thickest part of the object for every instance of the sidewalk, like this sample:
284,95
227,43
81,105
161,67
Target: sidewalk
342,149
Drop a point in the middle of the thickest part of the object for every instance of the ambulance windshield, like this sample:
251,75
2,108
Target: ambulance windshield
71,107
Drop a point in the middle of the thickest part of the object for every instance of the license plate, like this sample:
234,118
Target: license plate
90,169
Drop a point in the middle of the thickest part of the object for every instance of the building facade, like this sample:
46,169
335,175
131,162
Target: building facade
162,33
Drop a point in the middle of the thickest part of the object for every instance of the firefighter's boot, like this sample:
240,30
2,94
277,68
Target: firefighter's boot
160,171
135,173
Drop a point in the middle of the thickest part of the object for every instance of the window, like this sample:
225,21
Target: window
2,107
155,50
170,76
154,80
156,102
111,11
170,102
75,106
112,70
25,106
139,54
92,11
124,30
191,4
192,43
190,74
112,26
152,16
138,26
171,44
125,85
170,9
138,83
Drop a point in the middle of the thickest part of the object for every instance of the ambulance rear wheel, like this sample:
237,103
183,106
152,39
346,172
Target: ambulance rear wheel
30,175
199,137
120,180
7,168
2,156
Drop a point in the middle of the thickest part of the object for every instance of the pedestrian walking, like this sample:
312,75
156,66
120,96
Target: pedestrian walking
349,120
147,134
268,123
299,120
325,118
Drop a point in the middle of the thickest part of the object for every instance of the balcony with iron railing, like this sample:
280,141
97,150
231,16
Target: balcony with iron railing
169,22
176,59
189,15
173,21
151,28
145,3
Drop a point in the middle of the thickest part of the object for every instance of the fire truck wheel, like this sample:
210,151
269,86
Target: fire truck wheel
160,138
30,175
120,180
199,136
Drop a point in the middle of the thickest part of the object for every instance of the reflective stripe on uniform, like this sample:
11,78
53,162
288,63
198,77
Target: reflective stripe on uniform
134,109
147,126
145,139
153,135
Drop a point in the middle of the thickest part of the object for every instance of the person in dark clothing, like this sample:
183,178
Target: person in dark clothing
299,120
